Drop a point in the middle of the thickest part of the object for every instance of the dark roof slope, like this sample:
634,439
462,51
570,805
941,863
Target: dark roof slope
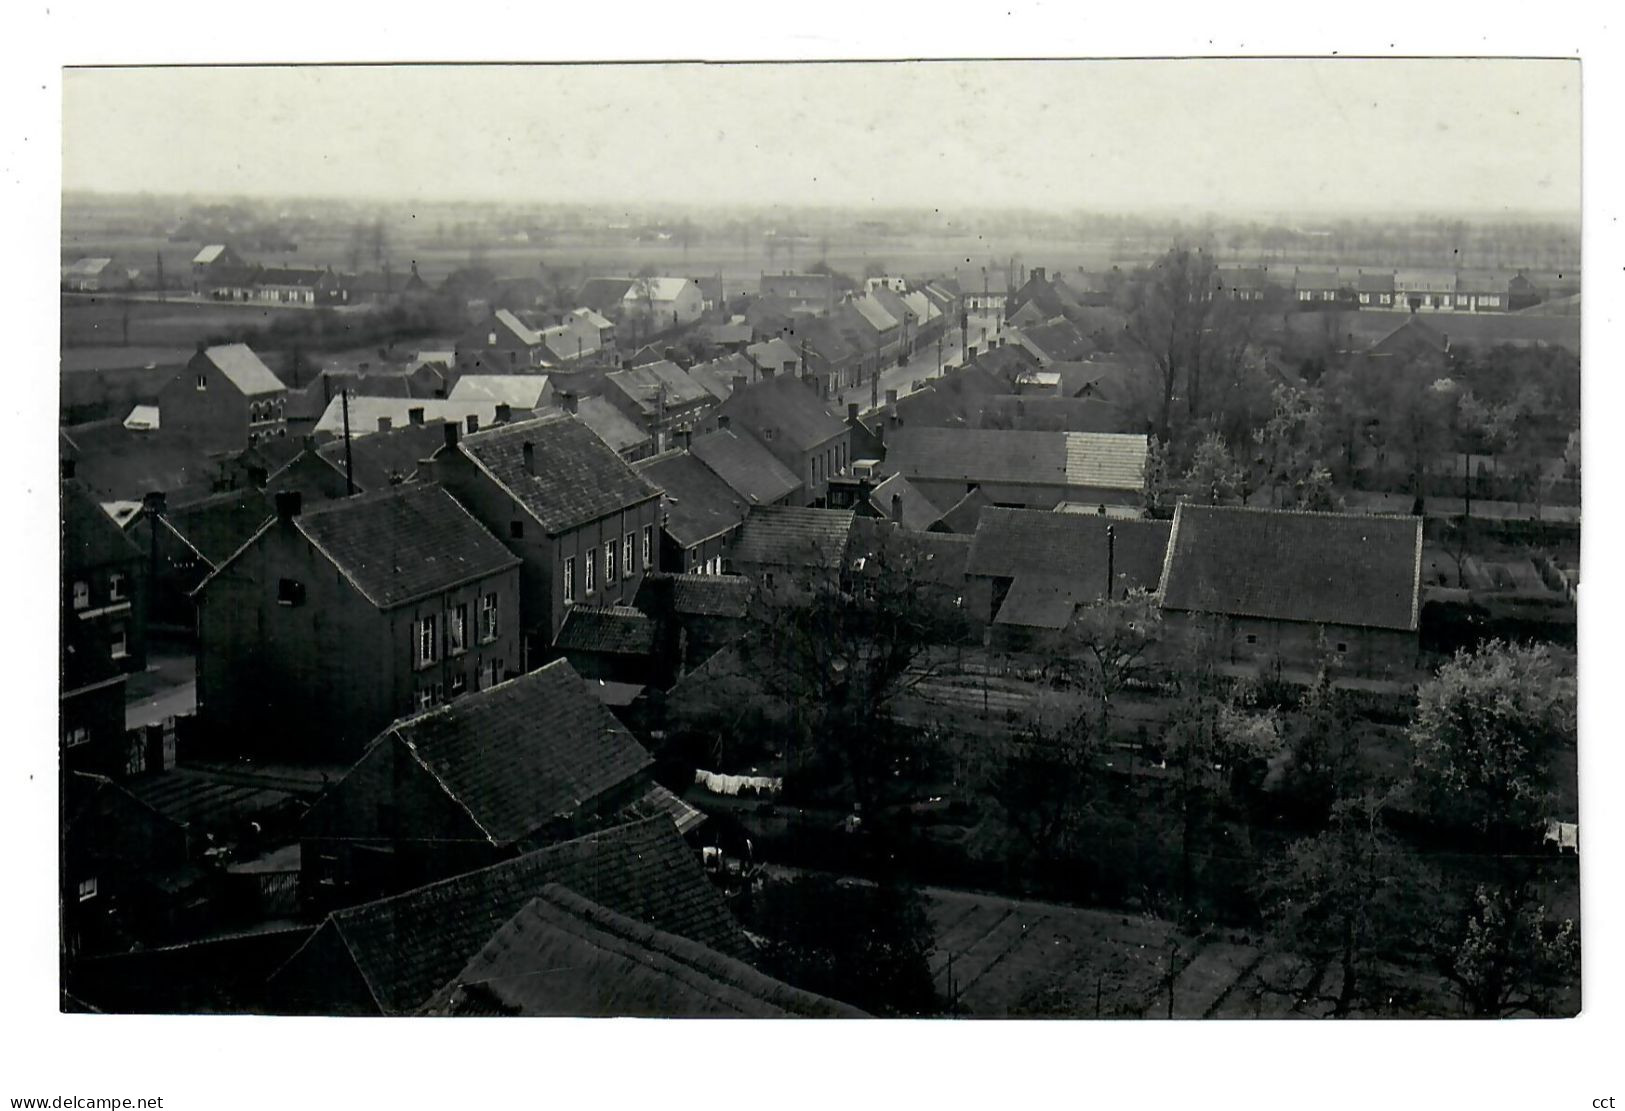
1011,543
407,946
963,516
951,401
785,407
1059,342
613,630
1328,568
401,543
216,526
917,511
564,955
794,536
748,468
382,459
90,538
524,752
576,478
603,294
699,504
694,595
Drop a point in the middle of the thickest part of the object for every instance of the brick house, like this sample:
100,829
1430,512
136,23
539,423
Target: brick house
700,513
581,519
331,623
103,631
526,763
225,400
1283,588
787,418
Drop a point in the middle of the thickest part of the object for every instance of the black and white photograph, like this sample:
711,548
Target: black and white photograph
1092,539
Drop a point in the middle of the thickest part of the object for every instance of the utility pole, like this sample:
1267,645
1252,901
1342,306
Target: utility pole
159,256
1111,559
349,463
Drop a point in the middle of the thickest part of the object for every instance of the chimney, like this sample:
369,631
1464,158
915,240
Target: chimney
452,430
385,424
154,502
685,437
473,422
851,412
567,401
1038,273
897,509
740,382
415,414
530,457
287,505
891,397
722,422
504,412
257,477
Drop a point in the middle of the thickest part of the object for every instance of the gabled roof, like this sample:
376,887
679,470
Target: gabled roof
694,595
717,376
564,955
785,408
365,413
208,254
749,469
699,505
1318,279
386,458
873,313
609,424
642,385
774,354
603,294
1109,461
520,331
1014,543
117,463
1379,281
658,289
401,543
1052,414
794,536
525,752
576,477
1059,342
243,369
610,630
1414,337
1324,568
215,527
951,401
519,391
963,516
406,947
90,539
301,276
918,512
86,267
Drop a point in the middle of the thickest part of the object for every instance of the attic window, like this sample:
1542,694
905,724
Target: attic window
290,592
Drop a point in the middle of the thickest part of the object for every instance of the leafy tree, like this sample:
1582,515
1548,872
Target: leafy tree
1507,958
868,946
1346,895
1484,735
1214,475
1043,778
1109,645
1291,449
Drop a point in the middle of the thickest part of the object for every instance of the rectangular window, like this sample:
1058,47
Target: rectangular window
289,592
516,530
119,644
648,546
592,562
428,641
87,889
494,673
115,585
569,579
457,629
490,623
78,735
627,566
425,698
459,684
203,381
1341,647
81,595
609,563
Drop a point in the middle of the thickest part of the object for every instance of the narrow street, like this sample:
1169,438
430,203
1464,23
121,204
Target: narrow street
922,366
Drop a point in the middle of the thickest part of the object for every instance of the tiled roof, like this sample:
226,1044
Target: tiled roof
208,254
774,354
1053,414
386,458
793,536
1318,279
1058,342
1327,568
406,947
401,543
962,517
1378,282
576,477
564,955
698,504
519,391
524,752
918,512
748,468
609,424
216,526
89,536
873,313
1113,461
718,375
612,630
1411,337
695,595
117,463
366,411
290,275
642,385
786,407
1014,543
244,369
1043,601
951,401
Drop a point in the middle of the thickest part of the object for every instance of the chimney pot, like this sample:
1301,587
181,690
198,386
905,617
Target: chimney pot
567,401
287,505
529,450
723,421
851,410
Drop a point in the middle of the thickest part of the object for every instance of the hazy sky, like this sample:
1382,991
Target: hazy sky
1254,135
